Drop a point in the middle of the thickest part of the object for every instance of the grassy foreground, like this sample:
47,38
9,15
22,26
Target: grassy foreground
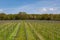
30,30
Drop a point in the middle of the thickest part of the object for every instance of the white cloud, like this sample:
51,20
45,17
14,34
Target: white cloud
1,10
44,9
52,9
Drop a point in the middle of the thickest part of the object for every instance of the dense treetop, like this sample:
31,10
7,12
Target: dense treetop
25,16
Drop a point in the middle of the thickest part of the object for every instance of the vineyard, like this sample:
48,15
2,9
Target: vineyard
29,30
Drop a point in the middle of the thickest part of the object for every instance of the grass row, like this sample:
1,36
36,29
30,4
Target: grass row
49,30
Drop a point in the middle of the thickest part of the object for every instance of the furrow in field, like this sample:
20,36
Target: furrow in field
48,31
21,35
3,26
9,31
7,26
13,34
39,35
29,33
26,36
4,34
33,33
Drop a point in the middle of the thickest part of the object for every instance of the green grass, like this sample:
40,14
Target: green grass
30,30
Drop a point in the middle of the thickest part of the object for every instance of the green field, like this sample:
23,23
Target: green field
29,30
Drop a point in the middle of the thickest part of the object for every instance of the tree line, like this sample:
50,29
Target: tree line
25,16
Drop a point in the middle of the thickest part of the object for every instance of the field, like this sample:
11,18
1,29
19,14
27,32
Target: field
29,30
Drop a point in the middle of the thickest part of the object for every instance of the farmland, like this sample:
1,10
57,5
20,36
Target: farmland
29,30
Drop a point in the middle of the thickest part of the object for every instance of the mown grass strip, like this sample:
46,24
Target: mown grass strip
2,26
11,37
34,34
7,26
39,36
29,33
25,32
4,33
48,31
21,35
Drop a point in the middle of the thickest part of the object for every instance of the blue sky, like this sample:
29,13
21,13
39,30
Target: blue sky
30,6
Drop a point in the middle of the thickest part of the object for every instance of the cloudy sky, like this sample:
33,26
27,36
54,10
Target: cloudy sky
30,6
